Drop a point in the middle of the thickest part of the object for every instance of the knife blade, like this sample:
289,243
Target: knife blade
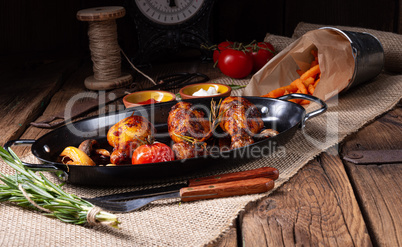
187,194
267,172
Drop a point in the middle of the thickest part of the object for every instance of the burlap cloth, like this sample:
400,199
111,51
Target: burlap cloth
170,223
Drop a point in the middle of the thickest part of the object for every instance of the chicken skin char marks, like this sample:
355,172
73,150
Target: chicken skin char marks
126,135
187,150
184,120
241,120
238,117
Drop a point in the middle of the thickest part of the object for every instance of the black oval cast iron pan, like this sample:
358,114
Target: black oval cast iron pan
279,114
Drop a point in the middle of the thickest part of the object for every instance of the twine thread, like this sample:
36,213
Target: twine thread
91,216
105,50
138,70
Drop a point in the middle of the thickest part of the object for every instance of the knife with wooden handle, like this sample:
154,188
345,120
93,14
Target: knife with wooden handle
240,183
187,194
267,172
233,188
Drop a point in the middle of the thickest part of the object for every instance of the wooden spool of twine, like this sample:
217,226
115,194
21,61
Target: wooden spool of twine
105,50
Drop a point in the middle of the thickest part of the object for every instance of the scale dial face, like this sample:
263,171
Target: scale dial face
169,12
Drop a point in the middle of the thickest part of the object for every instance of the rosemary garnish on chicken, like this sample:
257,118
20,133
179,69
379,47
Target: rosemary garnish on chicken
214,118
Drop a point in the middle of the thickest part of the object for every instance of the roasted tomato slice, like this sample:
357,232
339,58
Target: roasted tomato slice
152,153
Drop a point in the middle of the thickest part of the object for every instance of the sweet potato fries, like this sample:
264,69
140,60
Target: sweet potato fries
306,84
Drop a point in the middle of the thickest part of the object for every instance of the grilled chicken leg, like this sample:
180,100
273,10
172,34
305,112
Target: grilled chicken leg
186,121
126,135
241,120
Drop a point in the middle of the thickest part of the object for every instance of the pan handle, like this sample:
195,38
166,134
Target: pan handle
60,173
314,113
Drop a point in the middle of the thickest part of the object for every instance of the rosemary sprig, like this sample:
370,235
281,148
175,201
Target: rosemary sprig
28,189
191,140
216,116
235,87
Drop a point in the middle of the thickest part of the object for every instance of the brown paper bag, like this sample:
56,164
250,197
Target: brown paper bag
334,55
391,42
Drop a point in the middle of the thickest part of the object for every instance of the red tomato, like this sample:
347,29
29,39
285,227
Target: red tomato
261,53
222,46
152,153
234,63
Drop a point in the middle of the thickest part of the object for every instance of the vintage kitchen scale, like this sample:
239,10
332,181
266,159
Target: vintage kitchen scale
165,27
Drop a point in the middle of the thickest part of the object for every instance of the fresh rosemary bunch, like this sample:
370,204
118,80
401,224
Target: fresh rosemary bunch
29,189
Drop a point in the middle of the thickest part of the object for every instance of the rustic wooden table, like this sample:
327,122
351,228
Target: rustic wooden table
330,202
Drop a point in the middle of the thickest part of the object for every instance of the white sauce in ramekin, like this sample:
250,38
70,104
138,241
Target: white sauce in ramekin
210,92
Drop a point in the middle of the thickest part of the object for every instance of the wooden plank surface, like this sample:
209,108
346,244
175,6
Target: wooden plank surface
379,185
72,86
26,91
316,207
229,238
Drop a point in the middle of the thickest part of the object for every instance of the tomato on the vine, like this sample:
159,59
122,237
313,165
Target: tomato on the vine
235,63
152,153
221,47
261,52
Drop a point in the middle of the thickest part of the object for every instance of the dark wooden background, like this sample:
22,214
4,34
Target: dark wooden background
50,27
